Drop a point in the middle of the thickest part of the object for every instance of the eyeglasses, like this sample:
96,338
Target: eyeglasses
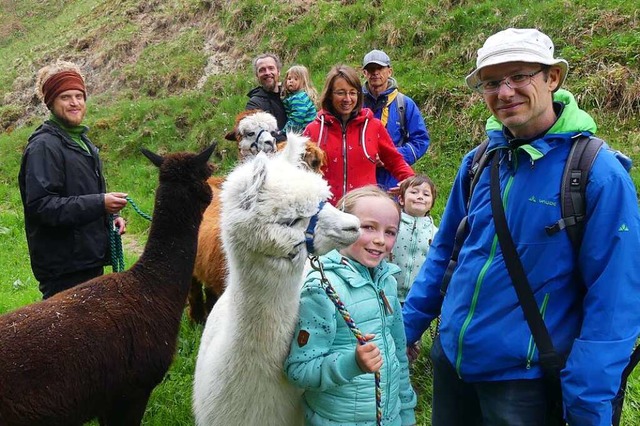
513,82
344,93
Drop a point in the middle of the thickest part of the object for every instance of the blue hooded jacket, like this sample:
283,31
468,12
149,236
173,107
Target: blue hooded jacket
589,299
417,141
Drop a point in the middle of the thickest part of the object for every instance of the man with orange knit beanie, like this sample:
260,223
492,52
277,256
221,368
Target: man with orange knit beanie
67,209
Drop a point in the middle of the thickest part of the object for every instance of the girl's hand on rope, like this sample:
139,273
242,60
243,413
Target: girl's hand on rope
368,356
114,202
120,224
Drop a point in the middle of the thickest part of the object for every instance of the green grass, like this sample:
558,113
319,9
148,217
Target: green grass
145,64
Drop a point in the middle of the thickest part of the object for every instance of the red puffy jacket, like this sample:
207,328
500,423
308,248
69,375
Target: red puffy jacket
351,151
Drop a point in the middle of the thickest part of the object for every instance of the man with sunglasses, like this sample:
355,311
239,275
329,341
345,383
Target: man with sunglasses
487,368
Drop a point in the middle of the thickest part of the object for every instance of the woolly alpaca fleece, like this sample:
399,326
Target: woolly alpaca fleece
210,268
267,203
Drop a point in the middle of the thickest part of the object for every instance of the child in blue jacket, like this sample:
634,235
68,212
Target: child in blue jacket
325,358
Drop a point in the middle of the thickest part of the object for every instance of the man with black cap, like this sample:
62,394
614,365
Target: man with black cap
487,364
66,206
399,113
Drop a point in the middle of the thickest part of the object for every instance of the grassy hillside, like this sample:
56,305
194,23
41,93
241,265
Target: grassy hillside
171,75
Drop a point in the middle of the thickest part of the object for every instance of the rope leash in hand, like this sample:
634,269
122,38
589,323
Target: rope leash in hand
317,265
115,239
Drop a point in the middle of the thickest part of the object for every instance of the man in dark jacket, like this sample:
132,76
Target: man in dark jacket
267,96
66,207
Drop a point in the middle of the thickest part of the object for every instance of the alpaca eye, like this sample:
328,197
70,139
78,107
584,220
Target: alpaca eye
291,222
251,133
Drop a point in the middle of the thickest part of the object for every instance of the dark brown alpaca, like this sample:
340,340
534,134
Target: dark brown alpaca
98,350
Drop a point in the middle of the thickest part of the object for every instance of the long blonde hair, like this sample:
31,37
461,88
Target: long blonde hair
302,73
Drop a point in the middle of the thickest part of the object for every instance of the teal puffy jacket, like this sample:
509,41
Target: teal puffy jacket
322,357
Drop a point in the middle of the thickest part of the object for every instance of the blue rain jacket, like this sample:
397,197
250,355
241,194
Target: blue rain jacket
589,300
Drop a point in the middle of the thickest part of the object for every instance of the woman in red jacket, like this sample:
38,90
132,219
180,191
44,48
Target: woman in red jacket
353,139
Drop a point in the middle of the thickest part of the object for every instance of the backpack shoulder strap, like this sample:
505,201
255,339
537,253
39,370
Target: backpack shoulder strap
584,150
478,163
400,102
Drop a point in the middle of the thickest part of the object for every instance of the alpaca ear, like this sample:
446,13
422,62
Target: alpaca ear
203,157
295,148
249,195
154,158
231,136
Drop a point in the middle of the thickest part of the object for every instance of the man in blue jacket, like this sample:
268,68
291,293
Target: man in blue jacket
398,112
486,366
66,206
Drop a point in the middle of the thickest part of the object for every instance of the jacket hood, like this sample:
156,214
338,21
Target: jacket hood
261,93
353,272
329,118
392,85
571,120
408,219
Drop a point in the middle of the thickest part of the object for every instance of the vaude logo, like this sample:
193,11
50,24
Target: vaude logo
533,199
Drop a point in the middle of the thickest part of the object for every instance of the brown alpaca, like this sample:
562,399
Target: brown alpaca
99,349
210,268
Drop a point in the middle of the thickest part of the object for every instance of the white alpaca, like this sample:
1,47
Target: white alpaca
254,132
267,203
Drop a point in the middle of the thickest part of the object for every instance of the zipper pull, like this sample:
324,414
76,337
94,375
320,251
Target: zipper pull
385,301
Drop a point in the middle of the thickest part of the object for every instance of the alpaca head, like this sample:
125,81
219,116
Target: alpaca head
254,131
186,173
267,204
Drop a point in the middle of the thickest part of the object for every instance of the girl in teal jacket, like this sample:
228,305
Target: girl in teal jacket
417,230
325,358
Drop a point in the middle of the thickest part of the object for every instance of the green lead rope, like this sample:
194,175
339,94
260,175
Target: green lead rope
115,239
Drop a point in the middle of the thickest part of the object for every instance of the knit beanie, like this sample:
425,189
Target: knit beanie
54,79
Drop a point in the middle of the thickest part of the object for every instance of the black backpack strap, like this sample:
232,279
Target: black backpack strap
400,102
573,188
479,161
549,358
550,361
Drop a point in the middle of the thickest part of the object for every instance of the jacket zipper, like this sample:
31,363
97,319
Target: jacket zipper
344,160
532,344
412,252
385,308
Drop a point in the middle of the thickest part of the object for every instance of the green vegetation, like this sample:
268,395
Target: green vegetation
171,75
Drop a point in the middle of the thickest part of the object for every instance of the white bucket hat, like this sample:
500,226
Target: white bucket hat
517,45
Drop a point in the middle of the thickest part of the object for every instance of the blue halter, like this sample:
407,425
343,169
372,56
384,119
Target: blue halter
310,232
